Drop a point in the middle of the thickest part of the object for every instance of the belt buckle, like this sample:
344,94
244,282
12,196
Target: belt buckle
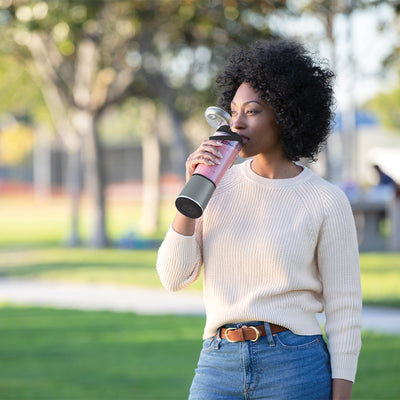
234,329
257,333
227,335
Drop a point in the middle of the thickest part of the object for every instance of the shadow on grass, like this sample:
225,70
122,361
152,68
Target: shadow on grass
37,260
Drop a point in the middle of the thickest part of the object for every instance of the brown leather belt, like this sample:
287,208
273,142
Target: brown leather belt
252,333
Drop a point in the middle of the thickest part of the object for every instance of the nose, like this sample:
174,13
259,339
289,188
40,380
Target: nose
238,121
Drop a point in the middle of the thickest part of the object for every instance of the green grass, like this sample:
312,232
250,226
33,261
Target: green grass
380,272
26,222
380,278
117,266
57,355
82,265
50,354
378,368
77,355
32,234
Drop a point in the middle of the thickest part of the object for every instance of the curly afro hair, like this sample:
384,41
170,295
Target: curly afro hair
297,87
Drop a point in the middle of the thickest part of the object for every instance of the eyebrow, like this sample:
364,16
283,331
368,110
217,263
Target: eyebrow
247,102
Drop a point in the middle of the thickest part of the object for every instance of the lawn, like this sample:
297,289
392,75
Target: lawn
31,246
380,272
380,278
26,222
73,355
76,355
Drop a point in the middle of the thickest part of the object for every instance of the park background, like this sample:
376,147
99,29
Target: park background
101,101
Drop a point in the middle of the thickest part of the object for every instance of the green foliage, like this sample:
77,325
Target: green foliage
20,93
387,106
172,45
16,142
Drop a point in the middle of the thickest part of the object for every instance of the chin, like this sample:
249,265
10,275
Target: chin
245,154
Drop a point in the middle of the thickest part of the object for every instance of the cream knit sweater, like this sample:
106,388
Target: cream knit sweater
275,250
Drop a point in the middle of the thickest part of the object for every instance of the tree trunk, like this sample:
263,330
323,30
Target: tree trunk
96,188
394,216
151,169
84,120
94,176
58,107
179,149
74,185
42,164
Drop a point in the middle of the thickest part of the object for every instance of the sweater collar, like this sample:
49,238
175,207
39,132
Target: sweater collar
248,173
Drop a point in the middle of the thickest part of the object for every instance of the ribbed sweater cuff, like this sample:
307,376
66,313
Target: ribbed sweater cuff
176,264
182,248
344,366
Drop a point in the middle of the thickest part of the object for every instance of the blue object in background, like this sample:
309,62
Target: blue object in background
133,242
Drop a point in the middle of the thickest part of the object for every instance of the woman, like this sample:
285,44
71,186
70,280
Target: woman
277,242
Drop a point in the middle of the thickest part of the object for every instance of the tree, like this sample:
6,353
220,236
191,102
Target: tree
91,55
387,106
74,50
151,167
331,13
180,48
16,142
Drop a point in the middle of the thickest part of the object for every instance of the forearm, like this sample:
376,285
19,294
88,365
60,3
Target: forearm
341,389
184,225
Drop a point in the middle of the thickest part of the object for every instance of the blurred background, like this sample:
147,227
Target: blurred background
101,102
105,99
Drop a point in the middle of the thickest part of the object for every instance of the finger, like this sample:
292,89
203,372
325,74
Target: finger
202,158
213,142
207,153
211,147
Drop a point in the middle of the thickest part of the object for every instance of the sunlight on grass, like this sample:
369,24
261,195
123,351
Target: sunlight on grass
380,277
106,265
27,222
115,266
32,235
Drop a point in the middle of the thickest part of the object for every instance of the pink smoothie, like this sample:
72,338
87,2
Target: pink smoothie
229,150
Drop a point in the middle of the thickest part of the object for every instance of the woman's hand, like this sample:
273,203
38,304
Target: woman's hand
207,153
341,389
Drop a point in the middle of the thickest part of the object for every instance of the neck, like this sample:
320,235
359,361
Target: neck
275,169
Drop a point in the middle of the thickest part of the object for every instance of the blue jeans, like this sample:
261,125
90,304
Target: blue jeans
283,366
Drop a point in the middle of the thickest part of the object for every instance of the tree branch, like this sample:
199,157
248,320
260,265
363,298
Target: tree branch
85,72
55,99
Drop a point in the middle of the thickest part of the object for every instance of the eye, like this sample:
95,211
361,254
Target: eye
252,112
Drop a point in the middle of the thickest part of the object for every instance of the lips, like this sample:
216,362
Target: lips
245,139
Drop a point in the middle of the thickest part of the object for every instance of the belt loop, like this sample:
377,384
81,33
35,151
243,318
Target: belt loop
218,339
269,334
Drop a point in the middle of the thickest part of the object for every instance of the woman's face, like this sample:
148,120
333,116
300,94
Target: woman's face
255,121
